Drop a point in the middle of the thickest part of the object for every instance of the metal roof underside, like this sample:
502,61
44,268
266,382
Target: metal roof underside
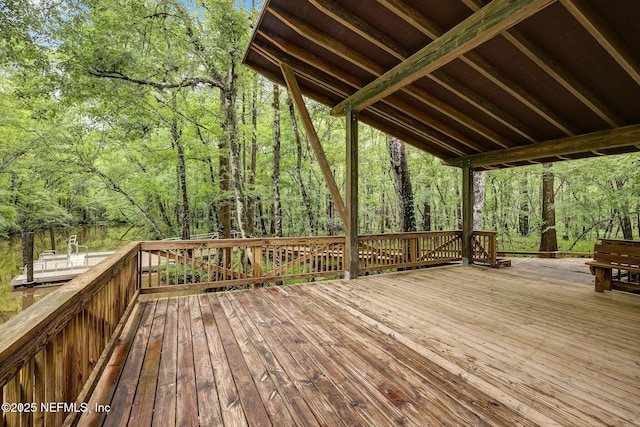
490,84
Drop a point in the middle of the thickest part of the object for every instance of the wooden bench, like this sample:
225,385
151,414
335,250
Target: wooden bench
623,256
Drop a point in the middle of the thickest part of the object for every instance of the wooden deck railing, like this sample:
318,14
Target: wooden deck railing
193,265
51,353
484,247
381,252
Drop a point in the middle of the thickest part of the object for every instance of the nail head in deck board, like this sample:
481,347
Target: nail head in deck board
164,412
314,358
107,384
186,395
249,397
143,403
316,401
298,408
230,407
123,399
207,394
269,393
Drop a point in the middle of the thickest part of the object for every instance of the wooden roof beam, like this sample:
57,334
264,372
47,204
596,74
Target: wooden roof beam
556,71
614,138
483,25
412,130
414,117
360,27
375,69
484,105
604,36
372,35
475,61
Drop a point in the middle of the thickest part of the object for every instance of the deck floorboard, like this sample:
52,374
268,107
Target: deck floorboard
527,345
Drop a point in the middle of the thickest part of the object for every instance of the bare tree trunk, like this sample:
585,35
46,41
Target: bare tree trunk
303,191
277,210
548,238
213,210
479,180
623,216
224,204
426,214
523,215
52,238
263,223
230,125
176,141
251,201
116,187
402,183
331,229
458,209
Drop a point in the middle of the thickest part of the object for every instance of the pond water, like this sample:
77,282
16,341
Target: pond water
97,238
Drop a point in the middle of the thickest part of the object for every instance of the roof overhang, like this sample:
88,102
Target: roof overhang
499,84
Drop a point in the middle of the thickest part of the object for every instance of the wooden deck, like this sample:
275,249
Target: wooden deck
454,345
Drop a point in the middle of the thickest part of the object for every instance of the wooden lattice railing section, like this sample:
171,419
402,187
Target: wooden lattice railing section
485,247
192,265
409,250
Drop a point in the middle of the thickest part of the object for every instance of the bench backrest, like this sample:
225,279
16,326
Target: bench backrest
618,252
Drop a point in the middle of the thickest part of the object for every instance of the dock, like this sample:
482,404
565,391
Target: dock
59,268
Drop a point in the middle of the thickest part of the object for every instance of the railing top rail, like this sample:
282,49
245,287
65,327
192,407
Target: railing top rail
485,233
228,243
408,234
25,334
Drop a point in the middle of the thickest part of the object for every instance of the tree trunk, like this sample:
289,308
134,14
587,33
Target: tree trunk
251,201
213,210
52,238
303,191
479,180
402,183
116,187
623,215
548,239
277,210
523,215
224,203
426,215
458,209
230,125
331,229
185,214
263,223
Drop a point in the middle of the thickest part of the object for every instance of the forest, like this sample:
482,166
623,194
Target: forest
140,112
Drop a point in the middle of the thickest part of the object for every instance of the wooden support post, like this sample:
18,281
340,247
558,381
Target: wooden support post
351,255
467,214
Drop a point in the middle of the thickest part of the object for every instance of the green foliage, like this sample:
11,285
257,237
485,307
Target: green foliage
90,92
